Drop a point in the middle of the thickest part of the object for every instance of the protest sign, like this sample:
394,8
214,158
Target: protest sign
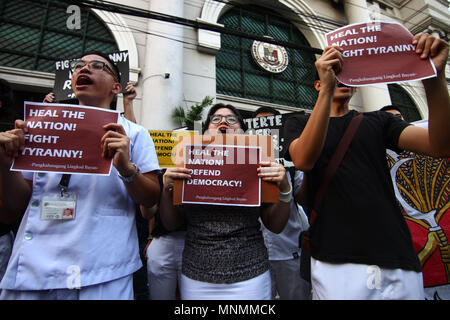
63,75
378,52
165,142
272,126
64,138
217,180
224,170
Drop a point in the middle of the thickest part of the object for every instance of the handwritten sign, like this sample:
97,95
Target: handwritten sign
63,75
378,52
64,138
222,174
165,142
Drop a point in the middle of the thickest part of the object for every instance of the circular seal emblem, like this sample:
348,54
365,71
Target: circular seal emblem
269,56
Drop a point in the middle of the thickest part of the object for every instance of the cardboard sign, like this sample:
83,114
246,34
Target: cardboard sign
63,75
165,142
64,138
218,177
378,52
238,161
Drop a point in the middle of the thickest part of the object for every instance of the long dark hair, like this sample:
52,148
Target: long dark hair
218,106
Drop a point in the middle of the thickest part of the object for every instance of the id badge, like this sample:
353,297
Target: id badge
58,207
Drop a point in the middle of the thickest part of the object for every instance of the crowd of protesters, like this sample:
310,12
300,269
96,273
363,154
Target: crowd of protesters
201,251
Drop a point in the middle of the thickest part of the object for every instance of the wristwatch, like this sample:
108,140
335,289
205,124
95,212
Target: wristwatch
132,177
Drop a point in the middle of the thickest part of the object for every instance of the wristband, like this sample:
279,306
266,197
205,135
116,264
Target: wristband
286,196
132,177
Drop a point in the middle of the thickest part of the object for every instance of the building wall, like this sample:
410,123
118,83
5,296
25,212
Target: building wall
189,54
199,64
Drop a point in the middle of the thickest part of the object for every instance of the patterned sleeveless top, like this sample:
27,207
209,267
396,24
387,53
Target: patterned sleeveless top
224,244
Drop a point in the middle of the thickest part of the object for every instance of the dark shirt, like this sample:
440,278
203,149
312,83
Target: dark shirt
5,228
359,220
158,227
7,118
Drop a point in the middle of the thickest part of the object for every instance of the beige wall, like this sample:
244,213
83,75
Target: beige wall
199,47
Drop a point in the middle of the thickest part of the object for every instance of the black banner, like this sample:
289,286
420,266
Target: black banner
63,75
272,126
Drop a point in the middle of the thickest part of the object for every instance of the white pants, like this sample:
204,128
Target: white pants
258,288
286,280
349,281
164,265
119,289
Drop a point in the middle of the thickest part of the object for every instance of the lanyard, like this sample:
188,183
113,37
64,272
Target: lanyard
64,183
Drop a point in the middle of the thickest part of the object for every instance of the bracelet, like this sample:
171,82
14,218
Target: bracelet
286,196
132,177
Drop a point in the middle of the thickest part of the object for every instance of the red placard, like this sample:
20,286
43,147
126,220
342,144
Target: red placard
239,161
378,52
64,138
222,175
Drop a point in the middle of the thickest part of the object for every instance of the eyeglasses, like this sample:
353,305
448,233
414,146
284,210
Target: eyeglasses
76,66
217,118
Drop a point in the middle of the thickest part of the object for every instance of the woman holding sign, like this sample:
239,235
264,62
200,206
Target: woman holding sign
224,255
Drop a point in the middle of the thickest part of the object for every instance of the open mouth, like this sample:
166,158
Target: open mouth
83,80
222,129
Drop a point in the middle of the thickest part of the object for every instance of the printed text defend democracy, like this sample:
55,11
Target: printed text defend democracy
215,183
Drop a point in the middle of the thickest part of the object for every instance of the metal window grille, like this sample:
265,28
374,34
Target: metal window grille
400,98
238,74
34,34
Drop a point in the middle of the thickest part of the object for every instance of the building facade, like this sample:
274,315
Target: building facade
175,64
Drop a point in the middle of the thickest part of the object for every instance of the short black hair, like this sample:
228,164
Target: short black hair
107,58
391,107
316,75
8,109
218,106
265,110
